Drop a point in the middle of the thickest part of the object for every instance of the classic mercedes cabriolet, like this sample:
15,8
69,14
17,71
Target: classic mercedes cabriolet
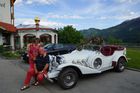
89,60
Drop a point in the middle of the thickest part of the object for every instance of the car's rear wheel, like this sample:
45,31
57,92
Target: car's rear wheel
121,65
67,78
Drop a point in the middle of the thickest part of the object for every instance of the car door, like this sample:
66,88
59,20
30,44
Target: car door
106,57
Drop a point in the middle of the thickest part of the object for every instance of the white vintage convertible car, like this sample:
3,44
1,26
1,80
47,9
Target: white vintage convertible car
90,60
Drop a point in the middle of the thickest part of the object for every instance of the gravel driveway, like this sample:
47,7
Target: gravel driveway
12,74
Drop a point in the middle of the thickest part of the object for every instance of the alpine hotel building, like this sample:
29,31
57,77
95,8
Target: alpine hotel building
7,28
18,37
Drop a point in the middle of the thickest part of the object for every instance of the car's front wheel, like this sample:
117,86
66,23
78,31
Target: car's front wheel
68,78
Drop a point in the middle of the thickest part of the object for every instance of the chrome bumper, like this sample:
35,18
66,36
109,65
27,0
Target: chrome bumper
53,74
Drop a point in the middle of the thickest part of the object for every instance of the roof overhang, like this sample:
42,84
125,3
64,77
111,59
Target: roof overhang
26,29
12,2
7,27
35,29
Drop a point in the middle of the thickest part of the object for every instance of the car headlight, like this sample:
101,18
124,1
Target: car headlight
60,59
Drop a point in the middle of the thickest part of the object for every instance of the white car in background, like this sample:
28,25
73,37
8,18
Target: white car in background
89,60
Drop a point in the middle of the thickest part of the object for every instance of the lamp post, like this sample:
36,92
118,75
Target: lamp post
37,20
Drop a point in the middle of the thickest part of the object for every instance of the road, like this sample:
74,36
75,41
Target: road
12,74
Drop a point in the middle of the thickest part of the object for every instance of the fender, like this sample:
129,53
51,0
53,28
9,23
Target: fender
116,58
83,69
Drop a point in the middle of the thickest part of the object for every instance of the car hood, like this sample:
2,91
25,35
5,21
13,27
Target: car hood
78,55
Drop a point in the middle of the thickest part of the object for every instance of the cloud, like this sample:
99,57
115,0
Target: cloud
46,23
93,8
29,2
18,2
85,13
128,15
103,7
23,13
125,17
55,24
47,2
127,1
124,1
52,15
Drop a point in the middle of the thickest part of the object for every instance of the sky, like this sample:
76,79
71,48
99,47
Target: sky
82,14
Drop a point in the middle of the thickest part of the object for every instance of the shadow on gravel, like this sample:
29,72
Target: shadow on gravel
85,78
92,76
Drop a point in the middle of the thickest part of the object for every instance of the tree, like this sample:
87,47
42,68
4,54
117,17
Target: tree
113,40
97,40
69,35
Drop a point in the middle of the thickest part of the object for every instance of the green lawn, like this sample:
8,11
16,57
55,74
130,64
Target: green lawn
134,55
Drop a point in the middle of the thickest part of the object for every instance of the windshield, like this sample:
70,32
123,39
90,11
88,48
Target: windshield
91,47
48,46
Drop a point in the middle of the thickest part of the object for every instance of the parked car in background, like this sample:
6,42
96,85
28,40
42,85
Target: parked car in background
59,49
54,49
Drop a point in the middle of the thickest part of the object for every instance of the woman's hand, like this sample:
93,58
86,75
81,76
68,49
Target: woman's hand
44,73
36,71
34,58
41,71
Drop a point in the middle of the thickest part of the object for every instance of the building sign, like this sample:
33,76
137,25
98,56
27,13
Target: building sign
5,13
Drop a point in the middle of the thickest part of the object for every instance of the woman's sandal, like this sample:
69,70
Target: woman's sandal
24,87
36,83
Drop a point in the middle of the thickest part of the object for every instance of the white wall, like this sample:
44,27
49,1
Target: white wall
37,34
5,13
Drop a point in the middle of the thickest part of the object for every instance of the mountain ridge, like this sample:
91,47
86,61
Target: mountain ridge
128,31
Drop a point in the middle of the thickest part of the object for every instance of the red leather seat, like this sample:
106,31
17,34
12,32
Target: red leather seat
109,50
106,51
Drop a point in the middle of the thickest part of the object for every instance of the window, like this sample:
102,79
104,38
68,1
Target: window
58,46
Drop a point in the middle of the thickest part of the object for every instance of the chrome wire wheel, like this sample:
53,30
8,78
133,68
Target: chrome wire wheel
67,78
120,65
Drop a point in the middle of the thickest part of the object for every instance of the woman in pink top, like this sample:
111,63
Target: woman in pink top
32,49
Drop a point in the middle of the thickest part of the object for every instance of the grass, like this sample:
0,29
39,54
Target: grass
134,55
11,54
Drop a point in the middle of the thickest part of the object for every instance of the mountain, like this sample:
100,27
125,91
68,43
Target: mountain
90,32
128,31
